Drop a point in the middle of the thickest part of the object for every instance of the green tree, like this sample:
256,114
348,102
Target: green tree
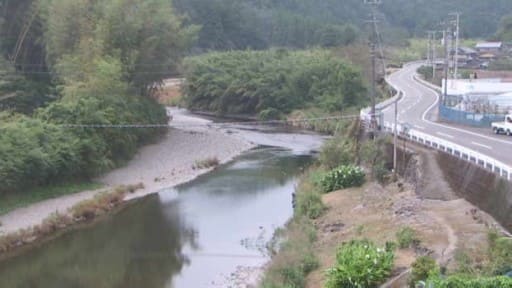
505,29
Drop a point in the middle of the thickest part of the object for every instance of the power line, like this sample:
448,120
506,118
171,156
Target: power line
220,124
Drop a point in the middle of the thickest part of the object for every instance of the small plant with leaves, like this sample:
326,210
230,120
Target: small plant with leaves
343,177
423,268
360,264
407,238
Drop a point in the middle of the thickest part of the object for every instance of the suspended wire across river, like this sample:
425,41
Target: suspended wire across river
210,124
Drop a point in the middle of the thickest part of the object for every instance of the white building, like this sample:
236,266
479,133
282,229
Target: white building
489,47
468,95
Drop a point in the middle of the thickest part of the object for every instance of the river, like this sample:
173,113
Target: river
211,232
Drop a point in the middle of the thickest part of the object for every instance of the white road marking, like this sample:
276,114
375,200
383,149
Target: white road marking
482,145
445,135
453,128
419,127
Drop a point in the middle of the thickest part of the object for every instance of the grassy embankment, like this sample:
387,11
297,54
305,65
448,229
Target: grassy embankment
311,253
11,202
296,256
84,211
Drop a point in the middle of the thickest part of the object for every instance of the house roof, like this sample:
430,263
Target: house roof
467,50
489,45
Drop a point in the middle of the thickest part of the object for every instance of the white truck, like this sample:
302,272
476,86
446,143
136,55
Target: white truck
503,127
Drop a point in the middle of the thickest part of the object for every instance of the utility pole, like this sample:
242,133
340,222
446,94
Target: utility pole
457,30
446,66
395,139
434,56
373,43
432,51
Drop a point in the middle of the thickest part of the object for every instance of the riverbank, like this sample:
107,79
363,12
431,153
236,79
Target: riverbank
436,223
168,163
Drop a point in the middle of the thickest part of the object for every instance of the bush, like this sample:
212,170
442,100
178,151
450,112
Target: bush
310,205
39,151
338,151
423,268
308,201
406,238
360,264
374,156
343,177
460,281
500,253
267,82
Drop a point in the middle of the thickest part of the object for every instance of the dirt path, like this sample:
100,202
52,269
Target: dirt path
448,253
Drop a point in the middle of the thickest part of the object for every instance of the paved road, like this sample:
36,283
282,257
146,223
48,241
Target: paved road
418,108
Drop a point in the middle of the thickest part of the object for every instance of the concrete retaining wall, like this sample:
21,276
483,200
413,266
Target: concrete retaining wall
479,186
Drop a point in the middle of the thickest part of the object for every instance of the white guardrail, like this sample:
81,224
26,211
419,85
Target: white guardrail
437,143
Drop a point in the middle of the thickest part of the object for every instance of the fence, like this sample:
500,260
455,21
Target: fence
456,150
468,118
462,117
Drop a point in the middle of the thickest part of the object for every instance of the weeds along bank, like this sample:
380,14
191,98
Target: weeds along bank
364,237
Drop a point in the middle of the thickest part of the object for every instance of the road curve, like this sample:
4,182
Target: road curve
418,108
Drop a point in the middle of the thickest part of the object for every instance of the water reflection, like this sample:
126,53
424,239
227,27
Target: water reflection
192,236
120,252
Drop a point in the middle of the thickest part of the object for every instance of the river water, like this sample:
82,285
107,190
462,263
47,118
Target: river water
211,232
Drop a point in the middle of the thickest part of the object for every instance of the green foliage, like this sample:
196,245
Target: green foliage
343,177
423,268
500,253
37,194
270,114
247,24
462,281
39,151
426,72
407,237
259,24
465,264
145,35
373,154
338,151
478,18
308,202
101,55
360,264
248,82
505,29
296,258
